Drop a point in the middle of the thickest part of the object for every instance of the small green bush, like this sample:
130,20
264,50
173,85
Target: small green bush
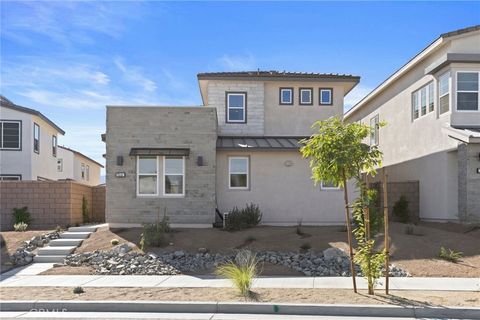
78,290
449,255
153,234
305,246
21,215
114,242
20,227
239,219
401,210
241,272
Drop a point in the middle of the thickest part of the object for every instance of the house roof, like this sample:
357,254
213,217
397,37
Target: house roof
4,102
407,66
277,75
81,155
259,143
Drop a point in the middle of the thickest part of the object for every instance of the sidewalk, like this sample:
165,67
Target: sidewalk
184,281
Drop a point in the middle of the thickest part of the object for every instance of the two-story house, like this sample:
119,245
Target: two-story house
432,110
240,146
29,149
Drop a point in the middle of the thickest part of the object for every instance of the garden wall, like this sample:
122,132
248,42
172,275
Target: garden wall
409,189
50,203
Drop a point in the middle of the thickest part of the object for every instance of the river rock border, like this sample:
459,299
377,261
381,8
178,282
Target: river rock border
24,254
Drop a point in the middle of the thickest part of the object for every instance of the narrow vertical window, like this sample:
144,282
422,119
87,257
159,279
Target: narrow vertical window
305,96
286,96
236,107
444,93
147,175
467,91
60,165
423,100
10,135
431,103
54,146
374,133
415,105
325,96
36,138
238,172
82,171
174,176
88,172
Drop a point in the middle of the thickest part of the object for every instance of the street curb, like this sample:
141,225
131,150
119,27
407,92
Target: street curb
243,308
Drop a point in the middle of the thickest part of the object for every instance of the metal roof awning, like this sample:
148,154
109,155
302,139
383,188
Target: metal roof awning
159,152
259,143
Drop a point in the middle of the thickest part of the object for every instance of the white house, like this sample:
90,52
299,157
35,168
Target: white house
75,165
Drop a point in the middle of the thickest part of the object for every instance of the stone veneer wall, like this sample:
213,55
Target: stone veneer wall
161,127
409,189
468,182
50,203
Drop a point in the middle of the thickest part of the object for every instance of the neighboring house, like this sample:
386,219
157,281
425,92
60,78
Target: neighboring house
29,149
432,110
240,147
74,165
28,143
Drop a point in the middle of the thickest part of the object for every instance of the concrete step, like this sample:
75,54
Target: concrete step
83,229
65,242
75,235
55,251
49,259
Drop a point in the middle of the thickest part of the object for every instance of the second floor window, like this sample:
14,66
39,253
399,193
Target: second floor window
82,171
325,96
467,91
10,135
236,107
444,93
306,96
286,96
54,146
36,138
422,101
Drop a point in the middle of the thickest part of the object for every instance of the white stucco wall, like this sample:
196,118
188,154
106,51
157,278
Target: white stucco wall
44,163
72,168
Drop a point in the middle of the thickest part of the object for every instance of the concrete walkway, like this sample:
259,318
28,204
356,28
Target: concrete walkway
184,281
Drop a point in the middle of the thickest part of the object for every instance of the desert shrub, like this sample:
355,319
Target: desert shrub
239,219
242,271
401,210
305,246
153,234
85,213
20,227
21,215
114,242
78,290
449,255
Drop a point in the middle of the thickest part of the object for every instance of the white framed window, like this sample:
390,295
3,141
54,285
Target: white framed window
329,186
54,146
431,94
10,135
36,138
422,101
374,134
238,173
82,171
236,107
325,96
59,165
147,176
88,172
467,91
173,176
10,177
444,93
286,96
306,96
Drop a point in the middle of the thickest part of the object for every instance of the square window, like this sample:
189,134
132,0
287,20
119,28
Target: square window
286,96
10,135
306,96
325,96
147,175
467,91
238,172
236,105
173,176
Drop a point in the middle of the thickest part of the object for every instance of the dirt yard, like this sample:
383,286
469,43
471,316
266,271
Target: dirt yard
10,241
324,296
417,253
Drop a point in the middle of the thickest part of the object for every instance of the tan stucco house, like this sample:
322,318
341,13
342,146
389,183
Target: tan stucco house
432,110
240,146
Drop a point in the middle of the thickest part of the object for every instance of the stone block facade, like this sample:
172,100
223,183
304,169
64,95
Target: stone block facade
469,182
50,203
192,128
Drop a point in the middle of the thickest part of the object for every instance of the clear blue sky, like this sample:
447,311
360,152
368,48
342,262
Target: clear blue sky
70,59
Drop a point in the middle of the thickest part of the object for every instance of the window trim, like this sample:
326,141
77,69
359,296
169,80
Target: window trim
300,97
19,122
463,91
141,195
230,173
178,195
440,113
19,176
322,187
227,107
36,125
320,102
377,138
280,96
54,145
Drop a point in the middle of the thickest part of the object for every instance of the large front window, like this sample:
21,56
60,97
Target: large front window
236,107
174,176
444,93
10,135
238,172
467,91
147,168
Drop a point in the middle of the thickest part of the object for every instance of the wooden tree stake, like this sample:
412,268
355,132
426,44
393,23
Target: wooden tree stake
385,218
349,231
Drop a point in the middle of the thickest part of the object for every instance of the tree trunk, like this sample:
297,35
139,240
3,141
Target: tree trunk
349,231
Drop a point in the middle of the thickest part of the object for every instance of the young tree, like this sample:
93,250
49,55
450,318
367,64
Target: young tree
337,154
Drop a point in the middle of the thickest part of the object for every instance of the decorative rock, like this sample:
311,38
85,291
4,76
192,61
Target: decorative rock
179,253
24,254
202,250
333,253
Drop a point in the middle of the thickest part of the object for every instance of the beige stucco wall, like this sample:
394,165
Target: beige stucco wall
284,194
